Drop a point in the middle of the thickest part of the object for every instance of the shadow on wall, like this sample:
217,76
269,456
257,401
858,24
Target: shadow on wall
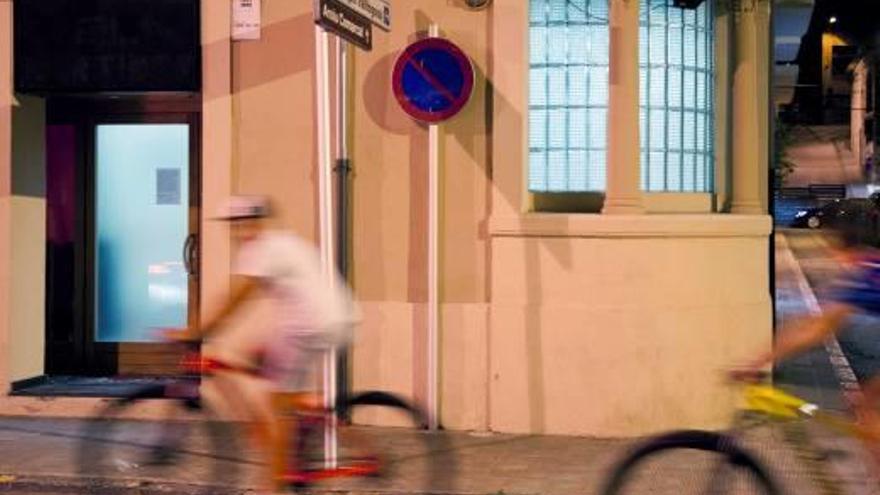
277,38
384,111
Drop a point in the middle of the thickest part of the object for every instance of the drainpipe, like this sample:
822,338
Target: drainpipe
343,167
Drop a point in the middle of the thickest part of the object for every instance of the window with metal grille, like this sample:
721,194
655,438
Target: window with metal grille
568,96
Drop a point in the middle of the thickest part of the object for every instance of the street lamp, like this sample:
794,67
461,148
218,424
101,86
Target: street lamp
832,20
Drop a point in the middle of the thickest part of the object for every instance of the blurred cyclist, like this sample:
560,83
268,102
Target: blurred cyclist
311,316
856,290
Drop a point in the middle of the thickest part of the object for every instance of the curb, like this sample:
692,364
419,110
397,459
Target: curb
59,484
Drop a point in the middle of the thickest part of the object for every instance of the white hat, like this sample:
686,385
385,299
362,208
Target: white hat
244,207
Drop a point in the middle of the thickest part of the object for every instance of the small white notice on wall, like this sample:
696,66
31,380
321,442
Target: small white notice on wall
246,22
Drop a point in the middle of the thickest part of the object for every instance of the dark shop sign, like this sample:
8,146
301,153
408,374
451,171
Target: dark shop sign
345,22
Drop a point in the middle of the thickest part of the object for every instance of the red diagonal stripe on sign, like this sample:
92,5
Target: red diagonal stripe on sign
436,84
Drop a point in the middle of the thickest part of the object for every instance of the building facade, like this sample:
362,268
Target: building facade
604,229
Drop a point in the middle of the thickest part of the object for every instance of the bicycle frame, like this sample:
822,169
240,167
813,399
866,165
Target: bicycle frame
775,403
197,366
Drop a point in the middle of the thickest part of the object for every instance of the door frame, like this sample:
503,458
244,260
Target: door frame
86,356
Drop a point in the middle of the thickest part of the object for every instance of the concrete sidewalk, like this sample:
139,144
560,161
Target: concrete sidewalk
43,453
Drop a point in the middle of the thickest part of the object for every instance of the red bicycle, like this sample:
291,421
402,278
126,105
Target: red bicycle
201,446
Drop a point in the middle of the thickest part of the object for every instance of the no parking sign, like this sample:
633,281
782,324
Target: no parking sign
433,80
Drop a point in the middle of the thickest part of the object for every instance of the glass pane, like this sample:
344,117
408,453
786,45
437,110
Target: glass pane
675,46
537,11
556,88
657,45
675,88
577,170
643,42
577,128
578,45
599,86
538,170
577,11
675,16
557,10
596,172
599,11
673,171
577,86
537,129
557,171
657,171
142,204
690,137
557,137
556,48
599,44
657,89
538,87
538,44
689,171
657,13
657,128
675,130
598,124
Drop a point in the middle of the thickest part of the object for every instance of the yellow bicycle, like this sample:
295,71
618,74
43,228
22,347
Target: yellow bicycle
708,462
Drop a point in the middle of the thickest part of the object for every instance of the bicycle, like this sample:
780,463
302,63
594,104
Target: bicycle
198,446
717,462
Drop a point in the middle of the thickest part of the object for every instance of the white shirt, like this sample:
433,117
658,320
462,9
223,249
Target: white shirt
305,303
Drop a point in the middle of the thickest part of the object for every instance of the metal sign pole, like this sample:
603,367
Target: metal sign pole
433,265
325,197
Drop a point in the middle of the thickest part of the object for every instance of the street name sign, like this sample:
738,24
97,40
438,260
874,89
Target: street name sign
378,11
336,17
433,80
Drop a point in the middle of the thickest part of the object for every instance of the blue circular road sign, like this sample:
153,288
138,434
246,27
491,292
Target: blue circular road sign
433,80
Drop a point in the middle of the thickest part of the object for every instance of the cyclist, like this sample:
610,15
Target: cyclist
311,316
856,290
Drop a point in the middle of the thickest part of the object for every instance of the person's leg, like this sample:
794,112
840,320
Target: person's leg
866,409
262,428
284,434
291,368
288,408
868,418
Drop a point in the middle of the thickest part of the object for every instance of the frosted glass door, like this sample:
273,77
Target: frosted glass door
141,225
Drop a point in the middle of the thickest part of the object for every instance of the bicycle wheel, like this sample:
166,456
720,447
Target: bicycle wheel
190,451
686,463
411,458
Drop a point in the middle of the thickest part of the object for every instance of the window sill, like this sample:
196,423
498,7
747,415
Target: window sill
678,202
631,226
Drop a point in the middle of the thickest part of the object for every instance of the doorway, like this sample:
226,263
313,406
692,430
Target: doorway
123,218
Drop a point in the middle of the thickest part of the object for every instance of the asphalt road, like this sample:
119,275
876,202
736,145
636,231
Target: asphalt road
860,340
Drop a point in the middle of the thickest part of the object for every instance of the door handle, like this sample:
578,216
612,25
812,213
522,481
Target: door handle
189,254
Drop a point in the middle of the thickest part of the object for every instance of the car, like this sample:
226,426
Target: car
861,213
819,216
